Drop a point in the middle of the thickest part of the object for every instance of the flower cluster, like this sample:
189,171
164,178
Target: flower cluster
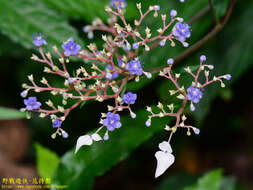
107,71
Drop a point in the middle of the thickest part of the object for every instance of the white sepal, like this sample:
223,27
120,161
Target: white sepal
164,161
83,140
165,147
96,137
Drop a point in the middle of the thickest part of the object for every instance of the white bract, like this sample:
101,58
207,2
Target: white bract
164,158
83,140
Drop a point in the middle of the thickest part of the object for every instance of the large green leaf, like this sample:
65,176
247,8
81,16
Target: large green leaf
20,19
210,181
78,171
47,161
7,113
231,53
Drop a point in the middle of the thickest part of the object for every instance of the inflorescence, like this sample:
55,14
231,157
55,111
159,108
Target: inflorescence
112,67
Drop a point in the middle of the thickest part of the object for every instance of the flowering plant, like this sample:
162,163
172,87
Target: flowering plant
113,65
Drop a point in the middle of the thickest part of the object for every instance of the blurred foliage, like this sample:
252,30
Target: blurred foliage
58,20
7,113
47,161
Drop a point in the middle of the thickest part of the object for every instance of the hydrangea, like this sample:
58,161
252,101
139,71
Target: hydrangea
39,40
194,94
129,98
118,4
70,47
110,75
134,67
56,123
32,104
112,121
182,31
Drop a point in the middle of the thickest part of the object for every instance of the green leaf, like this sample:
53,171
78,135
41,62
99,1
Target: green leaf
220,7
47,161
8,113
20,19
176,181
85,9
78,171
210,181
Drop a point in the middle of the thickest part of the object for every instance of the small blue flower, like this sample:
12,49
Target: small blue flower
56,123
120,62
148,123
135,45
162,43
196,131
112,121
23,94
39,40
32,104
118,4
65,134
70,47
106,137
70,81
134,67
202,58
173,13
129,98
228,76
182,31
170,61
110,75
194,94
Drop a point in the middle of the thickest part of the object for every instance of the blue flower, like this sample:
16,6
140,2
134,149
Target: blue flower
173,13
70,47
32,104
129,98
56,123
194,94
134,67
112,121
39,40
170,61
182,31
110,75
118,4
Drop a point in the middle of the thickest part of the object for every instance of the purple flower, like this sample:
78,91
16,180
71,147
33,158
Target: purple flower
110,75
56,123
106,137
228,77
148,123
65,134
196,131
173,13
182,31
194,94
118,4
162,43
112,121
39,40
134,67
120,62
70,47
135,46
129,98
202,58
32,104
170,61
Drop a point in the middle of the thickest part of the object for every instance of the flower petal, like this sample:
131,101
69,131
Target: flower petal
165,147
83,140
164,161
96,137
